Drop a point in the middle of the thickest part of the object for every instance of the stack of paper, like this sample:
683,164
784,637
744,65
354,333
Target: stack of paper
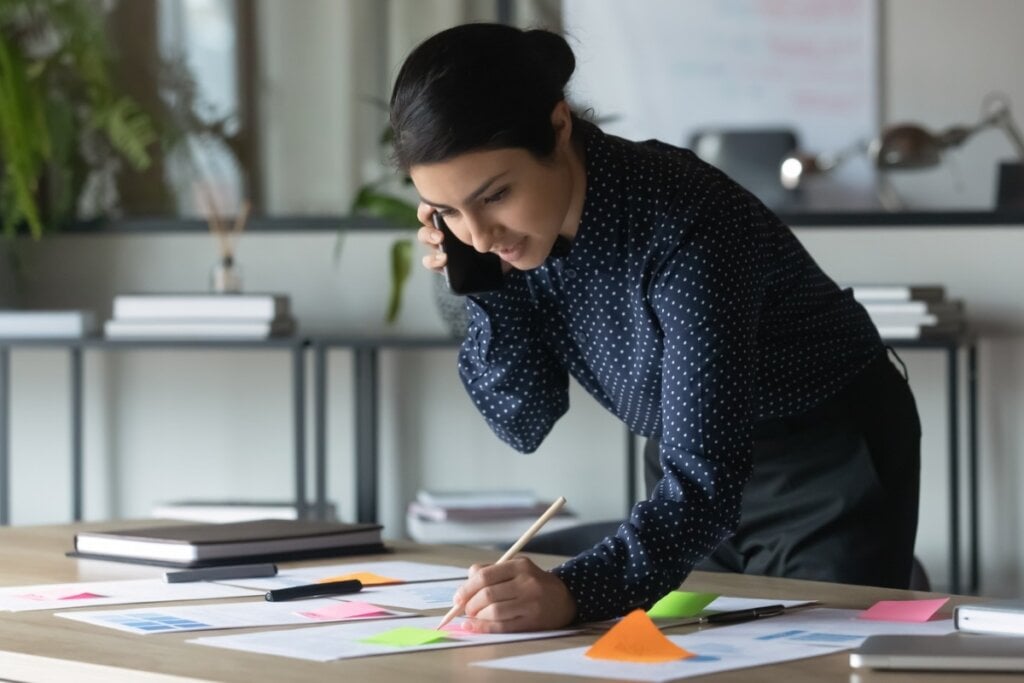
477,517
200,316
911,311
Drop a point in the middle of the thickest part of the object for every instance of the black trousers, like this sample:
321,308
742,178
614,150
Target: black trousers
834,492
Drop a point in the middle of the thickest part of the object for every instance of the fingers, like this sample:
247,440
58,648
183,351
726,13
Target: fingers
514,596
431,238
424,213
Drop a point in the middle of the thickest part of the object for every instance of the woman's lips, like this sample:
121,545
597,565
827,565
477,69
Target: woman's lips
513,252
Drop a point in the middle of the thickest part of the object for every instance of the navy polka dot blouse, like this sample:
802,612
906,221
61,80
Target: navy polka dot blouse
687,309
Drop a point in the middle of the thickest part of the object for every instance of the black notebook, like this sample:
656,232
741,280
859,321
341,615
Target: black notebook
197,545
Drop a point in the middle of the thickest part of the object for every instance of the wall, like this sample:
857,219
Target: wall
942,58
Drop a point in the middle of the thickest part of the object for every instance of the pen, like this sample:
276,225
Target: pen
742,615
315,589
236,571
516,547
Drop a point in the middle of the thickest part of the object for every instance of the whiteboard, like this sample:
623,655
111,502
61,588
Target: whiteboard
666,68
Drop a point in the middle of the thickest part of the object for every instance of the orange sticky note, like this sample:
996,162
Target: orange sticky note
637,639
367,579
903,610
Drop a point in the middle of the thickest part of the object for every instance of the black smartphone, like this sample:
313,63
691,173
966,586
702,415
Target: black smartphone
468,271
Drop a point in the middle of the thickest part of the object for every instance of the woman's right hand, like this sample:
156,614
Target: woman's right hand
430,237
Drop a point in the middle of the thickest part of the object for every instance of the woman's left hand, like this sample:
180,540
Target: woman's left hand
514,596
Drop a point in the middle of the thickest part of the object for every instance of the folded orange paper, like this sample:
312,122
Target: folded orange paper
637,639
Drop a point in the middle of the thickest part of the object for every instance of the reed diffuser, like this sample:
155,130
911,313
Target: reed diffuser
226,274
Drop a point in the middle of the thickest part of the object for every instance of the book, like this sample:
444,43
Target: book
198,329
231,511
482,532
201,306
942,309
235,542
472,499
997,617
69,324
953,652
440,513
898,292
919,331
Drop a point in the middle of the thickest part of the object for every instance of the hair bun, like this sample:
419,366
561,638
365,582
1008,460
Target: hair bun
553,53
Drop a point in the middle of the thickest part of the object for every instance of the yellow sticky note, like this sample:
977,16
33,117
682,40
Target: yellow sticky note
680,604
637,639
406,636
366,578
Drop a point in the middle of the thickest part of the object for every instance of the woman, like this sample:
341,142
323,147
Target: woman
789,443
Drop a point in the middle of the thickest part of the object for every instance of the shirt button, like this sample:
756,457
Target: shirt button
569,273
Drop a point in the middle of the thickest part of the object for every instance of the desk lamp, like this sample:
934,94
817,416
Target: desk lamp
906,146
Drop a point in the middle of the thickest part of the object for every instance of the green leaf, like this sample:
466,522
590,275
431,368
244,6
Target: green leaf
401,267
130,131
370,202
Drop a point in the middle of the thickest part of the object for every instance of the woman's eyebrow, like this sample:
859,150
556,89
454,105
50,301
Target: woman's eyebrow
472,195
483,187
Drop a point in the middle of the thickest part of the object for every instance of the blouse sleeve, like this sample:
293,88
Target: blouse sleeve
517,383
705,293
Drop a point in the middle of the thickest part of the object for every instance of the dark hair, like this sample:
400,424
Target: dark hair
479,86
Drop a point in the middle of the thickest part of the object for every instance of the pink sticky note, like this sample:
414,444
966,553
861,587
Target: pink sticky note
458,629
343,610
903,610
81,596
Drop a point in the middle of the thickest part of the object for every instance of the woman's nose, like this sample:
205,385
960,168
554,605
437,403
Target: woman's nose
481,234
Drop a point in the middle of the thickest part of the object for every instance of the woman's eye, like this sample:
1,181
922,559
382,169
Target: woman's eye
497,196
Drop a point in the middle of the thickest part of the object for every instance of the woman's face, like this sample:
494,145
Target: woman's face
507,201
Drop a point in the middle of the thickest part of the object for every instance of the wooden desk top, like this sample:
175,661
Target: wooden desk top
36,646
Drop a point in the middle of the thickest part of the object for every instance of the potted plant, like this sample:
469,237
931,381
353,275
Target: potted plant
61,118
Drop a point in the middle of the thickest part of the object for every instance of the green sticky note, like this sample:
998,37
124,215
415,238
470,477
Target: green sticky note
406,636
680,604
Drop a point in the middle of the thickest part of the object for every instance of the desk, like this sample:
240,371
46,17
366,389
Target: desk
36,647
75,347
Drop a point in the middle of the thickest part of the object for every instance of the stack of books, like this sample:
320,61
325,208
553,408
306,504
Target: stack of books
197,545
15,324
912,311
200,316
492,518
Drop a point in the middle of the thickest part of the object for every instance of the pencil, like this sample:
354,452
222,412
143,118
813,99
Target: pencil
510,553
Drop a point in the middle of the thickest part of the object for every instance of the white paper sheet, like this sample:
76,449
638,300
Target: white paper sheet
342,641
415,596
148,620
96,593
806,633
404,571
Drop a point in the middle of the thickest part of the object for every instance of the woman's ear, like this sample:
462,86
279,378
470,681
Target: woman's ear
561,123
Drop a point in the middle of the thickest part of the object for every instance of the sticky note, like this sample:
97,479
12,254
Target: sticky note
636,639
406,636
457,629
678,604
366,578
343,610
81,596
903,610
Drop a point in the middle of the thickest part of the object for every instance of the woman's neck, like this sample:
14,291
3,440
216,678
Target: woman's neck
578,186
